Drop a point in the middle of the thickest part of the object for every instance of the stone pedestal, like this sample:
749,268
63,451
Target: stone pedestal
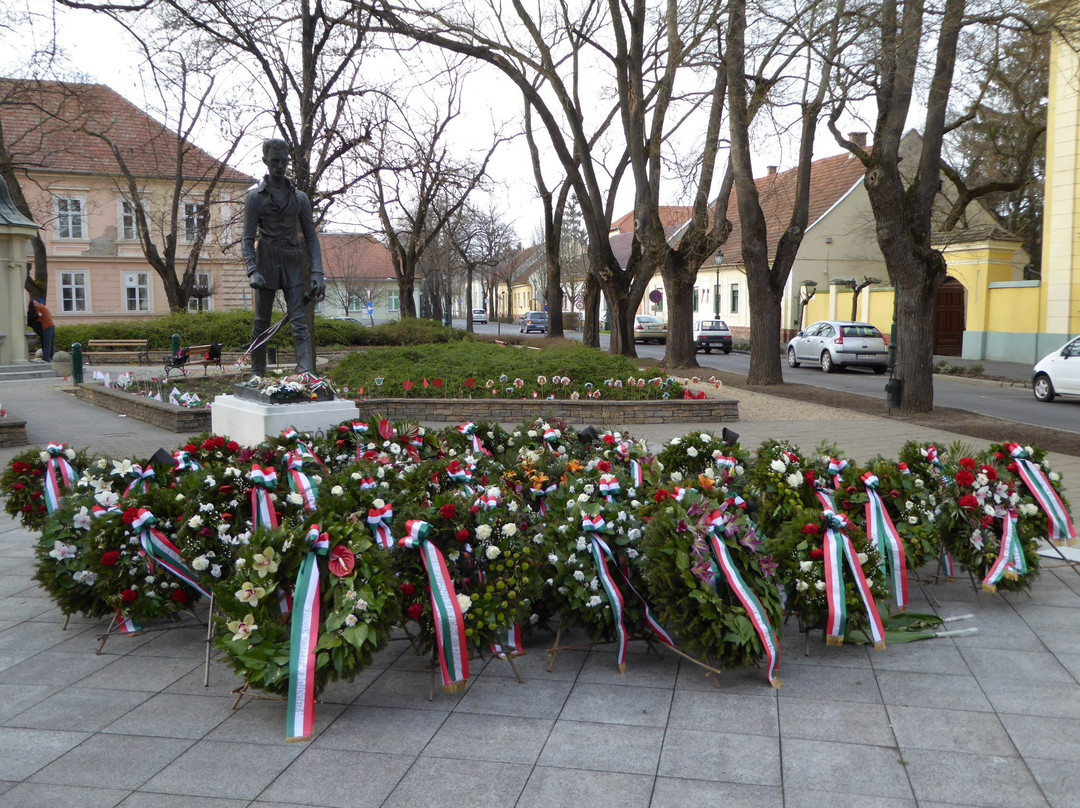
250,422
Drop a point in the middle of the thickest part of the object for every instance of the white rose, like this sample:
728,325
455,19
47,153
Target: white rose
378,503
195,522
337,491
691,451
819,586
675,442
802,586
583,498
706,438
778,465
199,563
356,476
1053,476
805,565
913,520
464,602
676,477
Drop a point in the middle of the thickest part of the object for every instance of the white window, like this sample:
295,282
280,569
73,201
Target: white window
196,218
136,291
69,217
129,231
73,291
356,303
734,298
201,298
392,302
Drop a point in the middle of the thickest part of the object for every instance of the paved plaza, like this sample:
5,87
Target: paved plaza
991,719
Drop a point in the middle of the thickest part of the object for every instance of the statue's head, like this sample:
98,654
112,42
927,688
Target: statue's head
276,156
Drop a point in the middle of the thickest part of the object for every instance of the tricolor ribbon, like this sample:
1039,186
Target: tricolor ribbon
99,512
541,495
637,475
360,429
678,493
468,429
125,625
837,546
882,533
754,610
487,501
1010,562
600,553
263,513
303,637
508,642
836,468
302,449
1061,526
930,453
595,524
726,465
368,484
299,482
379,520
141,481
185,462
58,475
609,486
449,622
461,475
159,550
550,438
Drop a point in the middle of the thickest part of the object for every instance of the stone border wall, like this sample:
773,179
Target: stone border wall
158,413
12,432
621,413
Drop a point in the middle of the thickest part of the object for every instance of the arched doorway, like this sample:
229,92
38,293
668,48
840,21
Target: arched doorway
949,319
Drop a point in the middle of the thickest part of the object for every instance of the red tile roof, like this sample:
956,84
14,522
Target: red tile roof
354,255
42,124
670,216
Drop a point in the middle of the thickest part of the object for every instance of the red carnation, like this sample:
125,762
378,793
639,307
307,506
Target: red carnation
179,596
999,455
225,490
17,487
448,511
35,473
408,590
475,509
967,463
469,383
130,515
204,533
811,530
809,478
128,596
218,442
816,554
342,429
35,495
20,467
415,611
603,465
987,521
990,473
41,509
1013,468
342,561
189,448
27,508
232,446
609,440
846,505
110,558
968,502
965,478
462,536
850,489
661,495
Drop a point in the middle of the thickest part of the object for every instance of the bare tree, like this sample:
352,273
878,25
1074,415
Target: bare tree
480,238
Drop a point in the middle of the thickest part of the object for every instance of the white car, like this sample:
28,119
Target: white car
836,344
1058,374
649,329
479,316
709,334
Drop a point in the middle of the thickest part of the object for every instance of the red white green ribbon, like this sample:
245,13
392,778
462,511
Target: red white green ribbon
550,438
142,479
379,520
160,550
1010,562
125,625
1061,526
368,483
837,546
185,462
263,513
468,429
609,486
299,482
58,475
98,511
930,454
754,610
461,475
487,501
508,642
446,611
882,533
360,429
541,495
303,637
600,553
302,449
637,475
836,468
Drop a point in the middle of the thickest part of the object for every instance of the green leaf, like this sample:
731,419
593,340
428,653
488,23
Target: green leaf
682,560
356,635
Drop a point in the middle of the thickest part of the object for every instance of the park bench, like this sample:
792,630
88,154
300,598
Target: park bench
139,347
194,355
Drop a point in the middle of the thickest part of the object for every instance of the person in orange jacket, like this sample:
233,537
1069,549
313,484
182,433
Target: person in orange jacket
48,329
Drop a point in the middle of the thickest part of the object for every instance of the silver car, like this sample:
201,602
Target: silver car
837,344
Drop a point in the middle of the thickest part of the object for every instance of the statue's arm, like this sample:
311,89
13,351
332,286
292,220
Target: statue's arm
251,226
311,238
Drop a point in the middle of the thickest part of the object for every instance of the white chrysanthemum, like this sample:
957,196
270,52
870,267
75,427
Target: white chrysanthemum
464,602
805,566
210,482
492,552
633,534
294,498
483,532
199,563
795,479
509,529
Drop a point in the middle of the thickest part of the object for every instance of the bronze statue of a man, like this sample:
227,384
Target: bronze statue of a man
276,211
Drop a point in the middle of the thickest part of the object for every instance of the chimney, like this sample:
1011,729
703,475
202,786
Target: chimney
858,138
772,170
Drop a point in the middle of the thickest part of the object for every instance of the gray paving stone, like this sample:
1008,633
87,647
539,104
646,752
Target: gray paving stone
501,696
534,665
144,800
219,769
99,761
642,670
987,664
261,721
794,647
715,709
489,785
53,668
35,795
603,747
345,693
1060,783
24,751
21,607
170,716
986,780
671,792
329,777
1044,737
78,708
950,731
14,699
938,656
795,797
913,689
1033,698
150,674
475,736
851,768
840,721
26,639
389,730
724,756
609,704
558,788
394,688
830,682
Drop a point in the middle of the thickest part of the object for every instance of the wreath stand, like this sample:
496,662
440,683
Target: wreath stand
433,665
650,645
177,623
1072,563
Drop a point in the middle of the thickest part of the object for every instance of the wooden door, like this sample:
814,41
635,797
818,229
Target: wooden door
949,319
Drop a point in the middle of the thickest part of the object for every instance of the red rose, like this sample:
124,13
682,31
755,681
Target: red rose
999,456
415,611
342,429
484,480
811,530
816,554
226,516
342,561
968,502
110,558
894,494
462,536
232,446
41,509
128,595
448,511
603,465
189,448
408,590
205,533
809,478
218,442
661,495
225,490
609,440
35,473
475,509
20,467
27,508
1013,468
208,444
846,505
850,489
965,479
990,473
130,515
987,521
17,487
35,495
179,596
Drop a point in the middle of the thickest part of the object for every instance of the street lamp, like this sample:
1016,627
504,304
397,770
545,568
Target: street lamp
716,289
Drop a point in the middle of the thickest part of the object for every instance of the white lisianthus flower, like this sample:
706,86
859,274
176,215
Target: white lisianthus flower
483,532
802,586
81,521
102,463
464,602
919,483
195,522
579,576
676,477
552,558
594,601
819,586
581,544
206,507
492,552
805,566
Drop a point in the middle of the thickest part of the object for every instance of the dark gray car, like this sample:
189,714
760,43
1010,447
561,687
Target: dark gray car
533,321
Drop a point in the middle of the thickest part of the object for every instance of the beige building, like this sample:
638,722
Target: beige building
359,272
86,214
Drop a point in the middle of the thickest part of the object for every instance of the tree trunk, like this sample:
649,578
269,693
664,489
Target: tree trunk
617,294
590,329
38,285
679,285
915,335
553,292
406,305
